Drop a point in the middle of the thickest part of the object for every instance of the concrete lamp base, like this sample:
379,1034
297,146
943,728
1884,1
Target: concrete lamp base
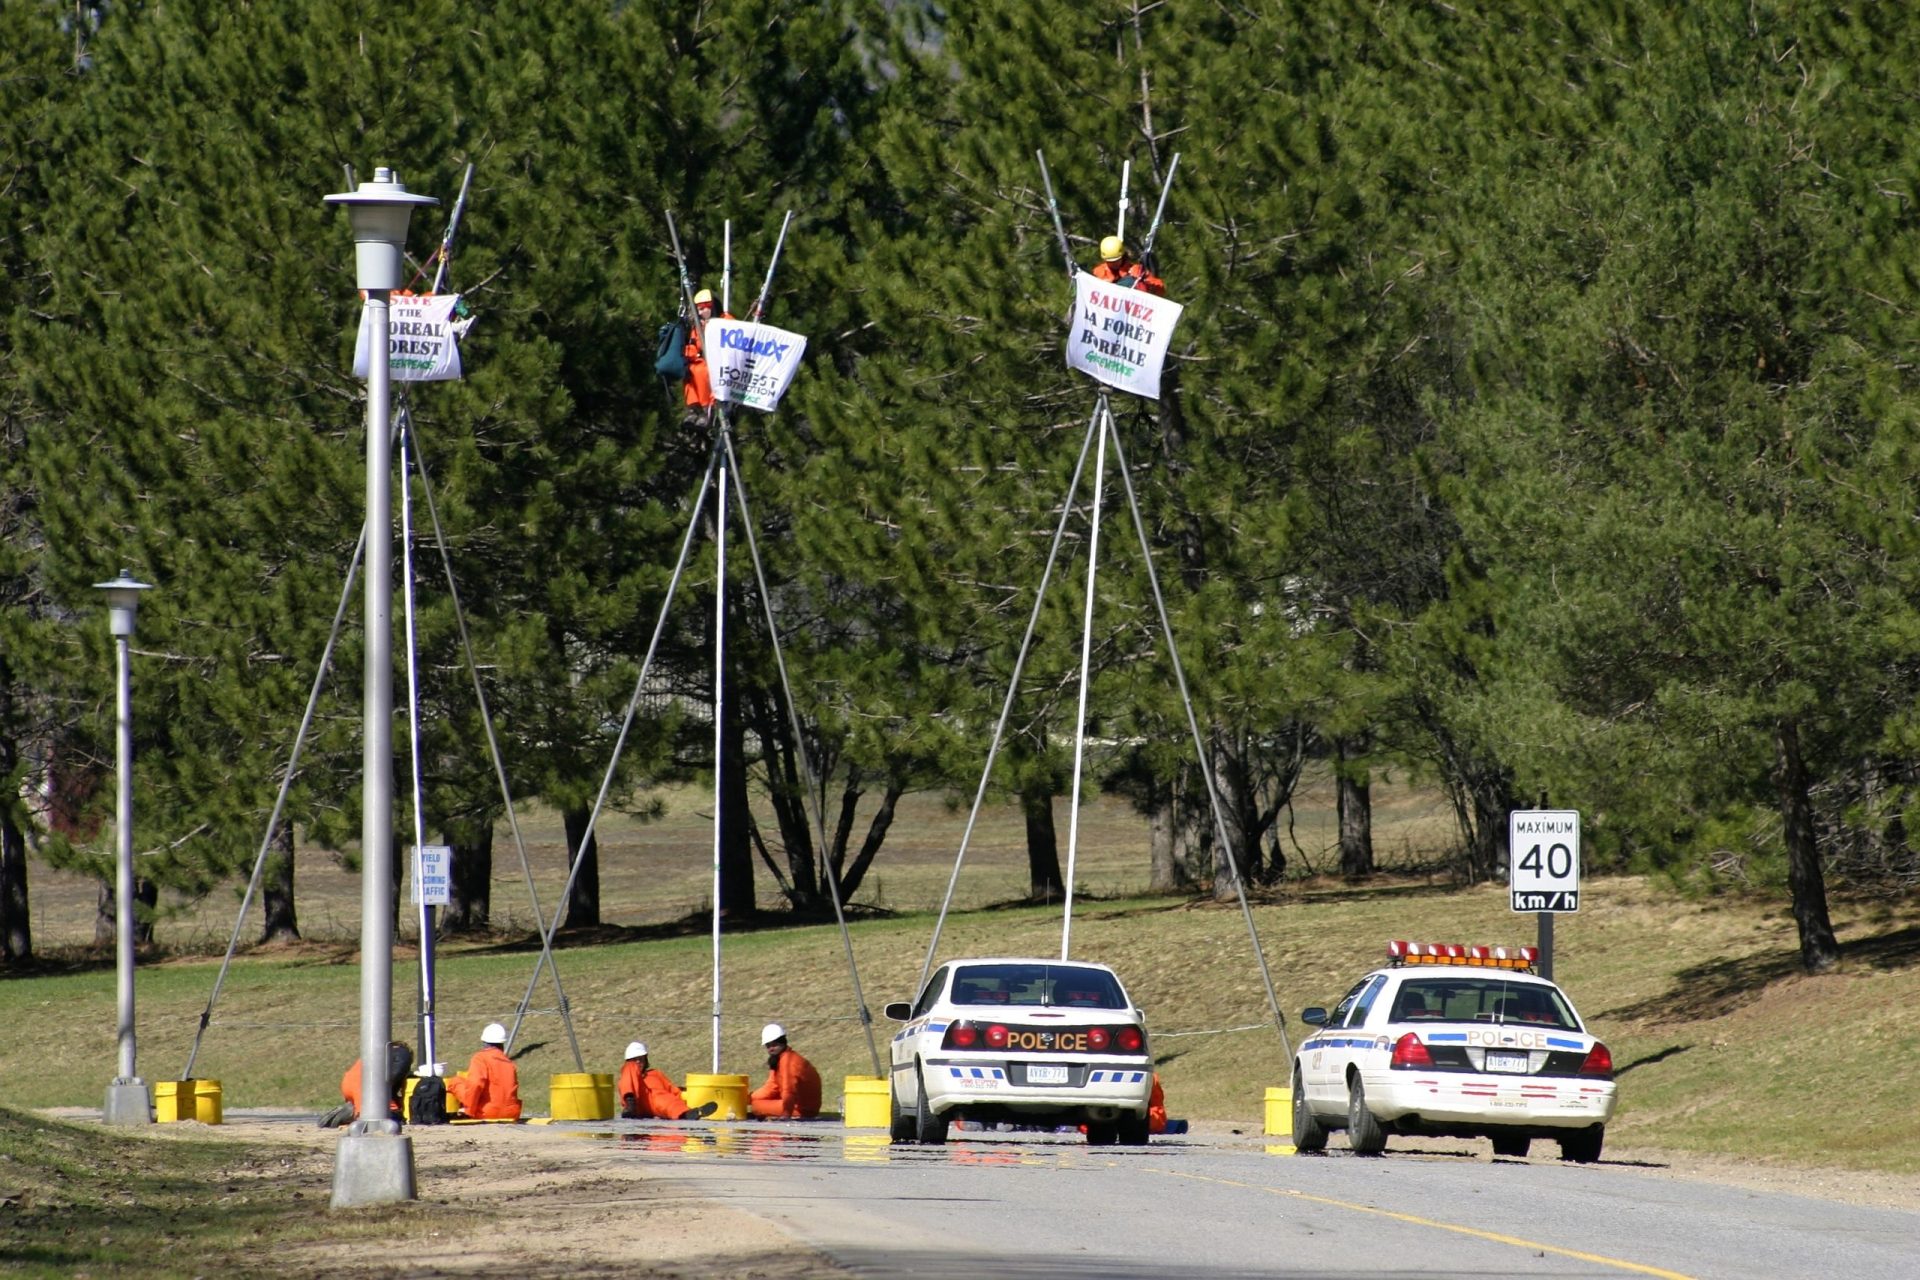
372,1168
129,1102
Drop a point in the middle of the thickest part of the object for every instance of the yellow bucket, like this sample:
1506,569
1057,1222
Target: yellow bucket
1280,1119
581,1095
178,1100
866,1104
729,1091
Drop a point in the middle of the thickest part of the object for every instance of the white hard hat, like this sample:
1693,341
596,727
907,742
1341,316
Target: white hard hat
494,1033
636,1050
771,1032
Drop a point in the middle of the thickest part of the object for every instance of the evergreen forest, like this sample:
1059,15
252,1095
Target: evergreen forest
1540,425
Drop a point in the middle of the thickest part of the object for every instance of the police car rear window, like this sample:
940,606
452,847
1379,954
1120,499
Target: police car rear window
1481,999
1058,985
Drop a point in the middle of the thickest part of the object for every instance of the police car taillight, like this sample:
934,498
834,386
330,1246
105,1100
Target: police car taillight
1451,953
1599,1062
1410,1051
1098,1038
961,1035
1130,1040
996,1036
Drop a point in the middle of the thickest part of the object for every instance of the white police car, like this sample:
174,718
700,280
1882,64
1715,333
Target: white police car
1454,1041
1022,1041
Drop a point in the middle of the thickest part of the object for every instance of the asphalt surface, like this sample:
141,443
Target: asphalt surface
1019,1205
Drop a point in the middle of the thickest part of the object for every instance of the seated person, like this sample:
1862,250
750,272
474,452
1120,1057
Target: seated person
645,1093
489,1089
792,1089
399,1065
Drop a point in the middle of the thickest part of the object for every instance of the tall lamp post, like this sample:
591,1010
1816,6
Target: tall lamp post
129,1101
374,1161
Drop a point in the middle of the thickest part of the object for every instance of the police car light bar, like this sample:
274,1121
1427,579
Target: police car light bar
1453,953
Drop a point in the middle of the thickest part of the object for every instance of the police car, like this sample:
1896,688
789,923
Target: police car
1454,1041
1022,1041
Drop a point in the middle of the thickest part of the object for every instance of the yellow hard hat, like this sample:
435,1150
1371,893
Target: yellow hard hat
703,298
1112,248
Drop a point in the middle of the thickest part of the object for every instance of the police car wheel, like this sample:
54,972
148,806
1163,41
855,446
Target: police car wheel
899,1123
1308,1133
928,1129
1131,1131
1583,1146
1511,1146
1101,1135
1364,1133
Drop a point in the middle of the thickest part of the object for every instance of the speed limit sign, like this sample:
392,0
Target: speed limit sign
1545,847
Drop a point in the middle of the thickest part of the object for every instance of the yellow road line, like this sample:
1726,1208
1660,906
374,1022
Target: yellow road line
1516,1241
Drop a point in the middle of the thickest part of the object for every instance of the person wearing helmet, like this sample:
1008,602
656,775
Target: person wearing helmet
792,1090
1117,266
699,388
645,1093
489,1089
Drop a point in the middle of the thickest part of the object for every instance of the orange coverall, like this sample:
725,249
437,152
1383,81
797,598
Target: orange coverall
792,1090
699,388
350,1090
489,1089
1157,1107
1133,275
654,1097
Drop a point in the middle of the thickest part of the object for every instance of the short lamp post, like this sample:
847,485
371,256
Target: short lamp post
129,1101
374,1162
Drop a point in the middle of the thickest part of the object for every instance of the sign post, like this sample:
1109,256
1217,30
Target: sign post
1544,874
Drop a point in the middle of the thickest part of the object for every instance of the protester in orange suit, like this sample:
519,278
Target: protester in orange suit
699,389
1157,1107
1118,267
489,1089
399,1064
792,1090
645,1093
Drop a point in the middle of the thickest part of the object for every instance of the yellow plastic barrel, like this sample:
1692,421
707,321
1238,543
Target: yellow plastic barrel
866,1103
730,1092
580,1095
175,1101
1280,1120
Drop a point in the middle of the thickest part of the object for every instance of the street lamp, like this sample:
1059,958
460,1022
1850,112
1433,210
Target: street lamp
128,1100
374,1162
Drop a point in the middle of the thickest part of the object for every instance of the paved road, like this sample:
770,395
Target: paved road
1022,1205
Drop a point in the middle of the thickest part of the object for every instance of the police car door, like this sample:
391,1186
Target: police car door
1323,1067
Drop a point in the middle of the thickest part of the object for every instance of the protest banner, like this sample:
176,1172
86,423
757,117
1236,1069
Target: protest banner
751,364
1120,336
422,337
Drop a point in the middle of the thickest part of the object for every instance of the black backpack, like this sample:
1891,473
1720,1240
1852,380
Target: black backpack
670,351
428,1103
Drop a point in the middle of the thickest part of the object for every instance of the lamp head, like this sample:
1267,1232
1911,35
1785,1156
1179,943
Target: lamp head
380,211
123,600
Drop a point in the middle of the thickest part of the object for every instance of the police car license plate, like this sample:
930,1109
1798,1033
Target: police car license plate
1046,1075
1507,1062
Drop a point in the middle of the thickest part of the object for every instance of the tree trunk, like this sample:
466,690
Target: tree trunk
1353,792
146,894
1166,874
1043,844
1238,815
876,836
736,820
104,912
471,909
282,923
16,920
1819,949
582,906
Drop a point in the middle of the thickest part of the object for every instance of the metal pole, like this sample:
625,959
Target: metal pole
413,744
376,759
726,269
1086,672
1013,687
123,862
719,726
1053,207
1126,172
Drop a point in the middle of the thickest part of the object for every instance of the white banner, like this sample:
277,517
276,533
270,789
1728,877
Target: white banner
423,333
433,875
1120,336
751,364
